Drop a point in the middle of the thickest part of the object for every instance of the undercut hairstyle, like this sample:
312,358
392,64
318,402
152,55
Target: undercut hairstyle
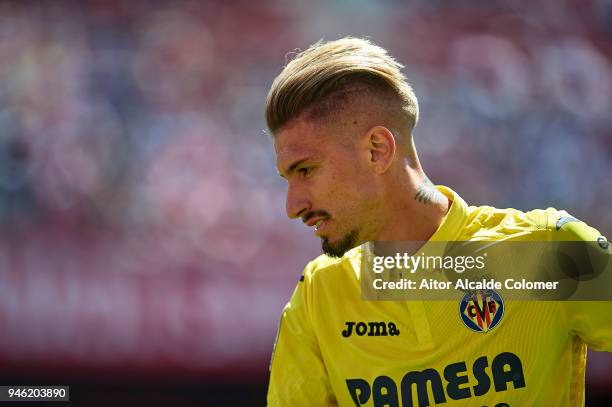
327,76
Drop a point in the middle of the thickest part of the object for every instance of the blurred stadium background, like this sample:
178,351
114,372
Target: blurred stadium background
144,251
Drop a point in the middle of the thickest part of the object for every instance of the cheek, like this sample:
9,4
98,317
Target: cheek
350,192
344,189
357,183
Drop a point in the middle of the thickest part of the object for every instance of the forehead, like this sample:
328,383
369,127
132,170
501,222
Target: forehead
300,140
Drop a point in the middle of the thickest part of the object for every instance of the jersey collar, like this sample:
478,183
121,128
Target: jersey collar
454,220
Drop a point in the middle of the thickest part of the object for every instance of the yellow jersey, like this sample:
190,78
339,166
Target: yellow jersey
333,348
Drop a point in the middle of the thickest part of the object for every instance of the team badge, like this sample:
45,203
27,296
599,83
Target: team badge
481,310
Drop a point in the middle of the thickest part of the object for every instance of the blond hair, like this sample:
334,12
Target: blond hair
329,73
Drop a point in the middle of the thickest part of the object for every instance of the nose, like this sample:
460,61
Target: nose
297,202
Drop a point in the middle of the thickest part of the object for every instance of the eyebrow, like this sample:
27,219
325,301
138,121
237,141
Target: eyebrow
293,166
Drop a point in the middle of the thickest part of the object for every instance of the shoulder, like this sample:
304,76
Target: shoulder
486,222
562,226
489,223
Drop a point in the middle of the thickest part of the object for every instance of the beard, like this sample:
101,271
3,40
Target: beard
342,246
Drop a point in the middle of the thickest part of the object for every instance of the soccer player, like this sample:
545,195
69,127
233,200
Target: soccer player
342,115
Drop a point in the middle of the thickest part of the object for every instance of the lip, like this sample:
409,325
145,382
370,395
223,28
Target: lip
321,228
312,221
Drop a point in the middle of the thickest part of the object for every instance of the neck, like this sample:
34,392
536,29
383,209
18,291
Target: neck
416,212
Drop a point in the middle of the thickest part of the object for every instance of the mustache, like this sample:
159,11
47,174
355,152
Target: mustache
309,215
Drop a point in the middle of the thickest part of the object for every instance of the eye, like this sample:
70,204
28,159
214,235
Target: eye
304,171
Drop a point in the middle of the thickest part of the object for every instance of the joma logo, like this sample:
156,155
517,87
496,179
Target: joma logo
370,328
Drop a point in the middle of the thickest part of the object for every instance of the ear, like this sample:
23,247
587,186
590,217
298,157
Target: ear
381,145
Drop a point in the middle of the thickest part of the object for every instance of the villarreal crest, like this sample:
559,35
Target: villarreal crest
481,310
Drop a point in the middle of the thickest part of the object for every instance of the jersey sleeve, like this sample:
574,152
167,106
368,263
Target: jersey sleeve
589,320
297,373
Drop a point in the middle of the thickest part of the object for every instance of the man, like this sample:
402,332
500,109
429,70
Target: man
342,115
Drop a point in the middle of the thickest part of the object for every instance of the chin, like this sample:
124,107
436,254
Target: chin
340,247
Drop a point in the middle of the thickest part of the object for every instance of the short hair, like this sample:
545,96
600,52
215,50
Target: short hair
331,70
